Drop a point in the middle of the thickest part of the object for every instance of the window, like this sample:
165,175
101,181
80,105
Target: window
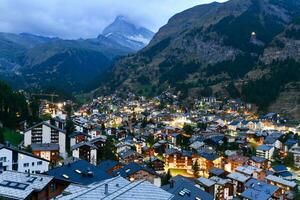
32,163
2,159
53,187
39,163
26,165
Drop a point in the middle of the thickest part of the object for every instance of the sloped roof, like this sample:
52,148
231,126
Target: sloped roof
132,168
118,189
17,185
77,172
185,189
46,124
108,164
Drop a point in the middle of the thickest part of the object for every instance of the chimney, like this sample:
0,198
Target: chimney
106,189
172,184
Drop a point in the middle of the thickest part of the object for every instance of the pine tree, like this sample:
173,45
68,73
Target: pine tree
196,169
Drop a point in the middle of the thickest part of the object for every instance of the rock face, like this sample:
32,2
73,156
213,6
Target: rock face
127,34
236,48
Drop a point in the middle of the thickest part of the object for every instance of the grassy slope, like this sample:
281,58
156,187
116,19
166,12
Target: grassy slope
12,137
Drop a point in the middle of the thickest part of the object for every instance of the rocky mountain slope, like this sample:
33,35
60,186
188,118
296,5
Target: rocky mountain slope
241,48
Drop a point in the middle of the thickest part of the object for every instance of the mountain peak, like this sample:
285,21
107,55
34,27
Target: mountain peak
121,18
128,34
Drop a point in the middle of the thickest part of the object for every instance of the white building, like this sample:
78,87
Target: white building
265,151
45,133
295,150
14,159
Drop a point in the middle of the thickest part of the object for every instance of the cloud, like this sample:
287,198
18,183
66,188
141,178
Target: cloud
84,19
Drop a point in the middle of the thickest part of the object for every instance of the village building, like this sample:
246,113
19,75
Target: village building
21,161
45,133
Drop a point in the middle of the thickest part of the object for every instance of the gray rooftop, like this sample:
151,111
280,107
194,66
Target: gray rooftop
16,185
118,188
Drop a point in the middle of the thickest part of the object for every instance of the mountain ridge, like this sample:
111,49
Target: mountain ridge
33,62
211,48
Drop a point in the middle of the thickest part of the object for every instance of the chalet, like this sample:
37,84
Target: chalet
58,122
217,172
255,189
134,172
208,159
130,155
49,152
45,133
273,140
77,137
21,161
86,151
259,162
183,188
178,159
289,144
238,181
109,166
282,172
285,187
160,146
218,187
157,164
251,171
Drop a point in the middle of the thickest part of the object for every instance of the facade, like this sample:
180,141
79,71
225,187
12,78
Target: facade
49,152
295,150
218,187
285,187
234,161
134,172
238,181
208,160
85,151
45,133
265,152
14,159
178,160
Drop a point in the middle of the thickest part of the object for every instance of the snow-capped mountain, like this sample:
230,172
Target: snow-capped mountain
128,34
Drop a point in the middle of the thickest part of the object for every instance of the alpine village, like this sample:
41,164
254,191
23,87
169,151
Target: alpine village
206,108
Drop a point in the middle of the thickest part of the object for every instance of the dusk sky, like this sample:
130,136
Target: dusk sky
72,19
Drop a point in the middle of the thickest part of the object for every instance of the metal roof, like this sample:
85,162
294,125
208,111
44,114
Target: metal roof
81,172
17,185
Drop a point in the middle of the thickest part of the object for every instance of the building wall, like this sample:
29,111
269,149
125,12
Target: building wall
6,155
62,143
46,134
43,166
38,164
266,154
27,138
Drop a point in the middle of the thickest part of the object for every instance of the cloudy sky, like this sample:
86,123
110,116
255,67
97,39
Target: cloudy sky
85,18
